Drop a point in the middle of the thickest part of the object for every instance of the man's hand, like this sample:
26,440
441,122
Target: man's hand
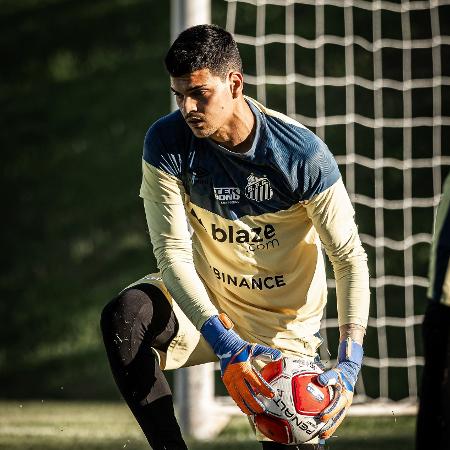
342,378
241,379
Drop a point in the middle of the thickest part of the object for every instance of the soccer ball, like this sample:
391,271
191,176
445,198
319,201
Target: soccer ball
292,414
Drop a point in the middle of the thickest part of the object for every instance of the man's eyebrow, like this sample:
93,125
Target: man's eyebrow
193,88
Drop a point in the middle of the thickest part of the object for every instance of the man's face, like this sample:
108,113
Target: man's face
205,100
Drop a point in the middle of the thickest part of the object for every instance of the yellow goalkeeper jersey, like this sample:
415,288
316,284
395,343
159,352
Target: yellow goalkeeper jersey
242,233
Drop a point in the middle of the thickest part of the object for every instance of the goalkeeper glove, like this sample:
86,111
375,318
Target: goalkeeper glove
342,378
241,379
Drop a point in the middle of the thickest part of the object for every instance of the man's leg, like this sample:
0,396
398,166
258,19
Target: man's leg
431,427
137,320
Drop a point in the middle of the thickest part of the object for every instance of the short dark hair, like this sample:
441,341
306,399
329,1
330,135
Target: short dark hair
203,47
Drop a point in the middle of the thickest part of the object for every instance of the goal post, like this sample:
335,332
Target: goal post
194,386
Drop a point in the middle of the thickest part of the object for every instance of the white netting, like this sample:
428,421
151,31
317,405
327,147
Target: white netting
372,78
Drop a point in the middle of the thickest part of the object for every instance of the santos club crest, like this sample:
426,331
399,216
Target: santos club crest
258,188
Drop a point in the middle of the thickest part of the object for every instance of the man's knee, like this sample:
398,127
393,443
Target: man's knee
130,305
141,313
120,322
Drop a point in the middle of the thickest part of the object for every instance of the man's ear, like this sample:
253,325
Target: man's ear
236,83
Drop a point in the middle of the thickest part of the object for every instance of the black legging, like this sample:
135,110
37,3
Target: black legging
433,418
132,323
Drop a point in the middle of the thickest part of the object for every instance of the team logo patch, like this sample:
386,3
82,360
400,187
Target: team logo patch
258,188
227,195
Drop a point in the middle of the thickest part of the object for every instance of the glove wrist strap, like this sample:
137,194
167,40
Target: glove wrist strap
350,351
217,331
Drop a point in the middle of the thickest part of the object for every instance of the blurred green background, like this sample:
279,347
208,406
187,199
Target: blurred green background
81,81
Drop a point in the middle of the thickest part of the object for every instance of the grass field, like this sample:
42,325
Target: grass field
47,425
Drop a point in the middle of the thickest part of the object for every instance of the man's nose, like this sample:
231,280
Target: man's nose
189,105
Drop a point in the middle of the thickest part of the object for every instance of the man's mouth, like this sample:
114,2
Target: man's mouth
194,121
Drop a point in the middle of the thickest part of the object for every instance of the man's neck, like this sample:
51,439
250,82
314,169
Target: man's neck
238,133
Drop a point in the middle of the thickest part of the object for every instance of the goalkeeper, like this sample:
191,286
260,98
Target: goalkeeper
433,419
238,200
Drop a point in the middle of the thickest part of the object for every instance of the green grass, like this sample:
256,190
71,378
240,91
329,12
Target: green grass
45,425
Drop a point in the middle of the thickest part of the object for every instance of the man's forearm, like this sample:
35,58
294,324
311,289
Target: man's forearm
163,196
353,331
343,376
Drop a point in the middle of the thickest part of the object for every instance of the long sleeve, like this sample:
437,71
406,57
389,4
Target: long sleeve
333,217
163,196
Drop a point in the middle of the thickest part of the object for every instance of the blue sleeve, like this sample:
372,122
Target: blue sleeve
318,169
164,144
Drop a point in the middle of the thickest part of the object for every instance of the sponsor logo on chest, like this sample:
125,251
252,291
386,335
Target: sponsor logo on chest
248,281
227,195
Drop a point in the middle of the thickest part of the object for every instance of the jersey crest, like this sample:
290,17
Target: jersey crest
258,188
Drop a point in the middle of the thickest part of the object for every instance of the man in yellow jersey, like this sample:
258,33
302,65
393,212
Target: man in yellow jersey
239,200
433,420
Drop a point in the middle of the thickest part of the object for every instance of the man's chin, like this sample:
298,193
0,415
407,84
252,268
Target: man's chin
201,132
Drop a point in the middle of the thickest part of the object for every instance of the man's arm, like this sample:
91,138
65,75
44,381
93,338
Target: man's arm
353,331
333,217
171,240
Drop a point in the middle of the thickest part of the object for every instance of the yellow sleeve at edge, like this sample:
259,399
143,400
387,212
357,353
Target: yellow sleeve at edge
442,212
163,196
332,215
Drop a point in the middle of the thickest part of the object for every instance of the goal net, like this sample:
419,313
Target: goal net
372,79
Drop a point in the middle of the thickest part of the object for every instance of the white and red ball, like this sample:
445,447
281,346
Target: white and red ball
292,414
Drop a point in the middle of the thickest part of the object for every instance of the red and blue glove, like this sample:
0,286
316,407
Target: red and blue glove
343,378
241,379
